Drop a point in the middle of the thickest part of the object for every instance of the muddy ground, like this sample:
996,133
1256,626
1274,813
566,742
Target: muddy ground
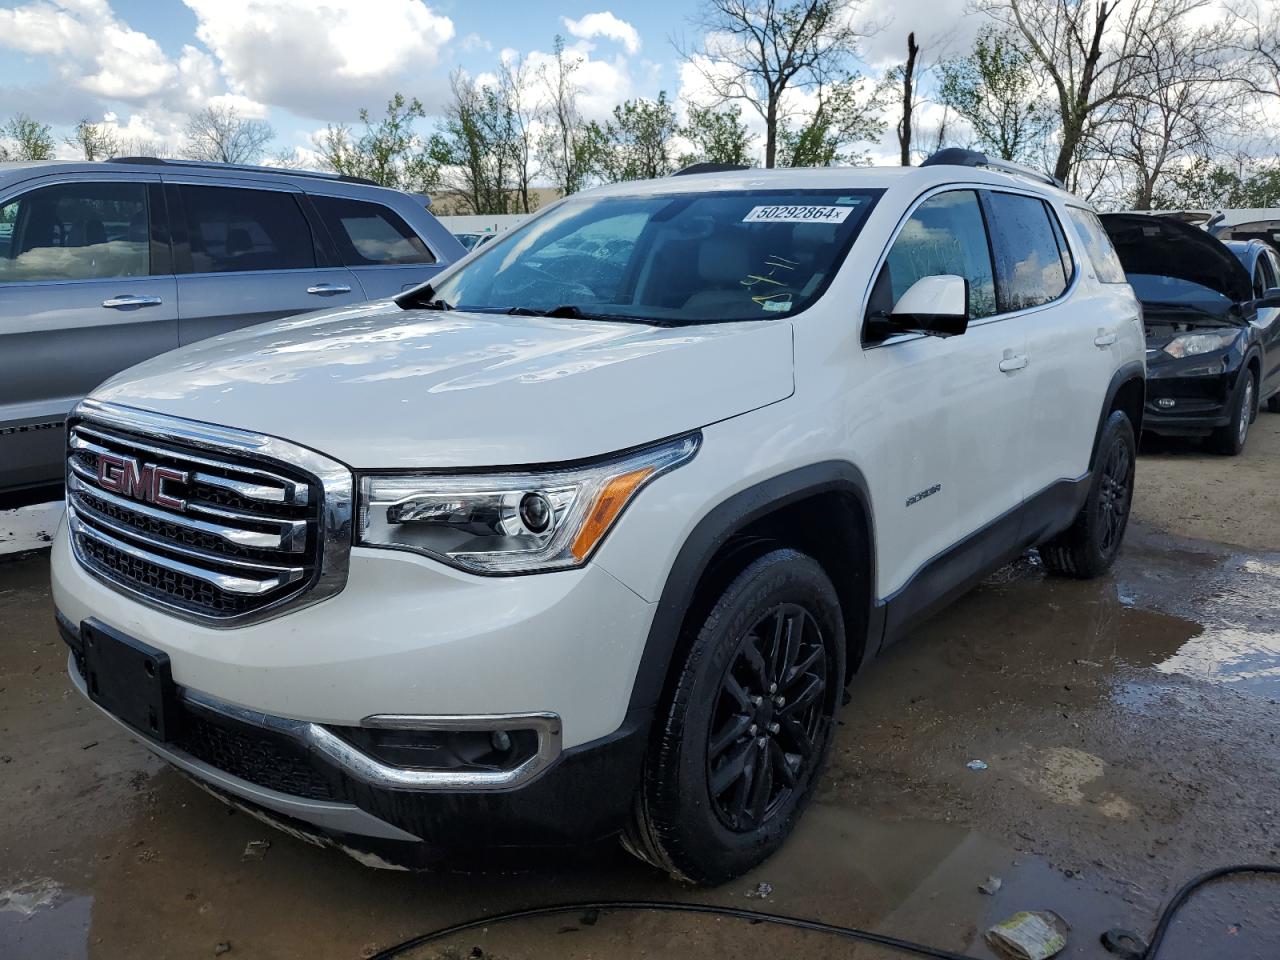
1129,727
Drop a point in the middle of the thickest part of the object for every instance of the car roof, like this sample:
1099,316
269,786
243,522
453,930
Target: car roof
917,179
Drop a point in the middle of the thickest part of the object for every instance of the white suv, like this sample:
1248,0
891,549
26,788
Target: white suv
589,537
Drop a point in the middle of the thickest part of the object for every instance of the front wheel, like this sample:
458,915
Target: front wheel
1089,546
741,742
1230,439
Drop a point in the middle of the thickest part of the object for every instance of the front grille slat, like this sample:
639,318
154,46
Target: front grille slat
212,530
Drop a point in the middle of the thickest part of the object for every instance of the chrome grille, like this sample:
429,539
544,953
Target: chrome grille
238,527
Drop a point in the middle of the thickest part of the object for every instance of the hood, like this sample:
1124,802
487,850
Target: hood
380,387
1167,247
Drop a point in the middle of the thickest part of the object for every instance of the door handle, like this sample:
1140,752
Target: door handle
328,289
127,301
1104,338
1012,362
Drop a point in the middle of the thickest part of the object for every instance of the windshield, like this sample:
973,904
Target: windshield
1153,289
673,259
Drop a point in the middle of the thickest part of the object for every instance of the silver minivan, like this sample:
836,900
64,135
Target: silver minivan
103,265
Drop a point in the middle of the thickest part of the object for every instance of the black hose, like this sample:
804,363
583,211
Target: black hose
799,923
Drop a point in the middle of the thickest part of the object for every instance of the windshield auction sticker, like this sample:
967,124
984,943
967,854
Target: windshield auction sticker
796,214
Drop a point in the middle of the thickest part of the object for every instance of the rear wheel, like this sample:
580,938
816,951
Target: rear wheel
1089,546
1230,439
741,743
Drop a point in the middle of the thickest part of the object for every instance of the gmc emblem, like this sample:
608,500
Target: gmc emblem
141,481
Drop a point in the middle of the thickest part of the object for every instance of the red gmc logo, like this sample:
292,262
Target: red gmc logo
141,481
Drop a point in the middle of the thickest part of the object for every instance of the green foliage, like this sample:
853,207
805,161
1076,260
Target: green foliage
26,140
569,146
1206,184
637,143
995,90
476,148
839,120
95,140
388,152
718,135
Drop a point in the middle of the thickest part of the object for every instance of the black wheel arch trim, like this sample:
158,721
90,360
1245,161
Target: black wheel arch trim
716,528
1133,370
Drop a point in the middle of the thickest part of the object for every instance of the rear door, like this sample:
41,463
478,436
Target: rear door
248,254
1074,334
86,290
376,244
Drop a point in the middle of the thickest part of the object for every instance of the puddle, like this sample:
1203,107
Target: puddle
39,922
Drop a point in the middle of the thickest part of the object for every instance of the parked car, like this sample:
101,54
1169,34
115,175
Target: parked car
588,535
106,264
1213,338
473,241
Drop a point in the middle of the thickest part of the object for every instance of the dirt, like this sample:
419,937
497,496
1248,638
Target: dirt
1129,726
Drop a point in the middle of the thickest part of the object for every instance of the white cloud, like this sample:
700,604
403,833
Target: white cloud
605,24
323,58
602,84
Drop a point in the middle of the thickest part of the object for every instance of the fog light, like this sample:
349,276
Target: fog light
501,741
1166,402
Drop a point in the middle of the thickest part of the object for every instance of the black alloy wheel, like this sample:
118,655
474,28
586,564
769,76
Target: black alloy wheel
1114,495
767,718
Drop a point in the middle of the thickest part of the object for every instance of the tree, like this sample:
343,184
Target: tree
27,139
1205,184
513,87
569,146
1091,53
476,148
96,140
755,51
839,119
1178,105
638,143
908,100
1257,38
221,135
389,152
717,136
994,89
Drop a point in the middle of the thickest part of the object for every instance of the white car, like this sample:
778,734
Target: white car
588,537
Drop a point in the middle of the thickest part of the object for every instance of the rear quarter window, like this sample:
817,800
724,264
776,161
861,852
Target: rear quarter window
369,234
1098,245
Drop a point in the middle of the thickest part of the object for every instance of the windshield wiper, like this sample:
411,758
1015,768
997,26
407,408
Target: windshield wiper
422,298
571,311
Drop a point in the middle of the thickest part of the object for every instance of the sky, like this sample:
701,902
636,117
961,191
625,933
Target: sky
145,65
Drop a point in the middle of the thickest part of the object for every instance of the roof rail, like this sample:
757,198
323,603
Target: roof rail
244,168
958,157
709,168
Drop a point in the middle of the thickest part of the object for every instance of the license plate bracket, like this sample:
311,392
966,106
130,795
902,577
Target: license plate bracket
131,680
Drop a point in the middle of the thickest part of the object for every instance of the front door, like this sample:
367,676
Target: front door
86,290
948,477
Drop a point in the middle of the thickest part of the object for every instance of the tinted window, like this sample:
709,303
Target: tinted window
1101,252
1263,278
369,233
677,258
231,229
945,235
1028,260
75,231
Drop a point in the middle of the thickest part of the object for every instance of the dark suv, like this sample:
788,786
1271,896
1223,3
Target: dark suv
103,265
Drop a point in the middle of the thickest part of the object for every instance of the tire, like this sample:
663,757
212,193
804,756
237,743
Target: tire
706,811
1229,440
1088,548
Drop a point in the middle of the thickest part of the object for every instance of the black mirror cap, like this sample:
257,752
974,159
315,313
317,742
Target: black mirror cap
1270,299
882,326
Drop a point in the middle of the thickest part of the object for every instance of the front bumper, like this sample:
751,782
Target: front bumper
1186,398
270,767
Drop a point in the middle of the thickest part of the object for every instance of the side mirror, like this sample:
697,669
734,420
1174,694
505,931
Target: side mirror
936,306
1270,299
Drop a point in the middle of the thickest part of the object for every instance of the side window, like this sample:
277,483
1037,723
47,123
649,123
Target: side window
1098,245
370,234
945,235
1064,248
1029,268
232,229
75,231
1263,278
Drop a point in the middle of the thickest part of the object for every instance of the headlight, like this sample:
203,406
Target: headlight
1190,344
510,522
